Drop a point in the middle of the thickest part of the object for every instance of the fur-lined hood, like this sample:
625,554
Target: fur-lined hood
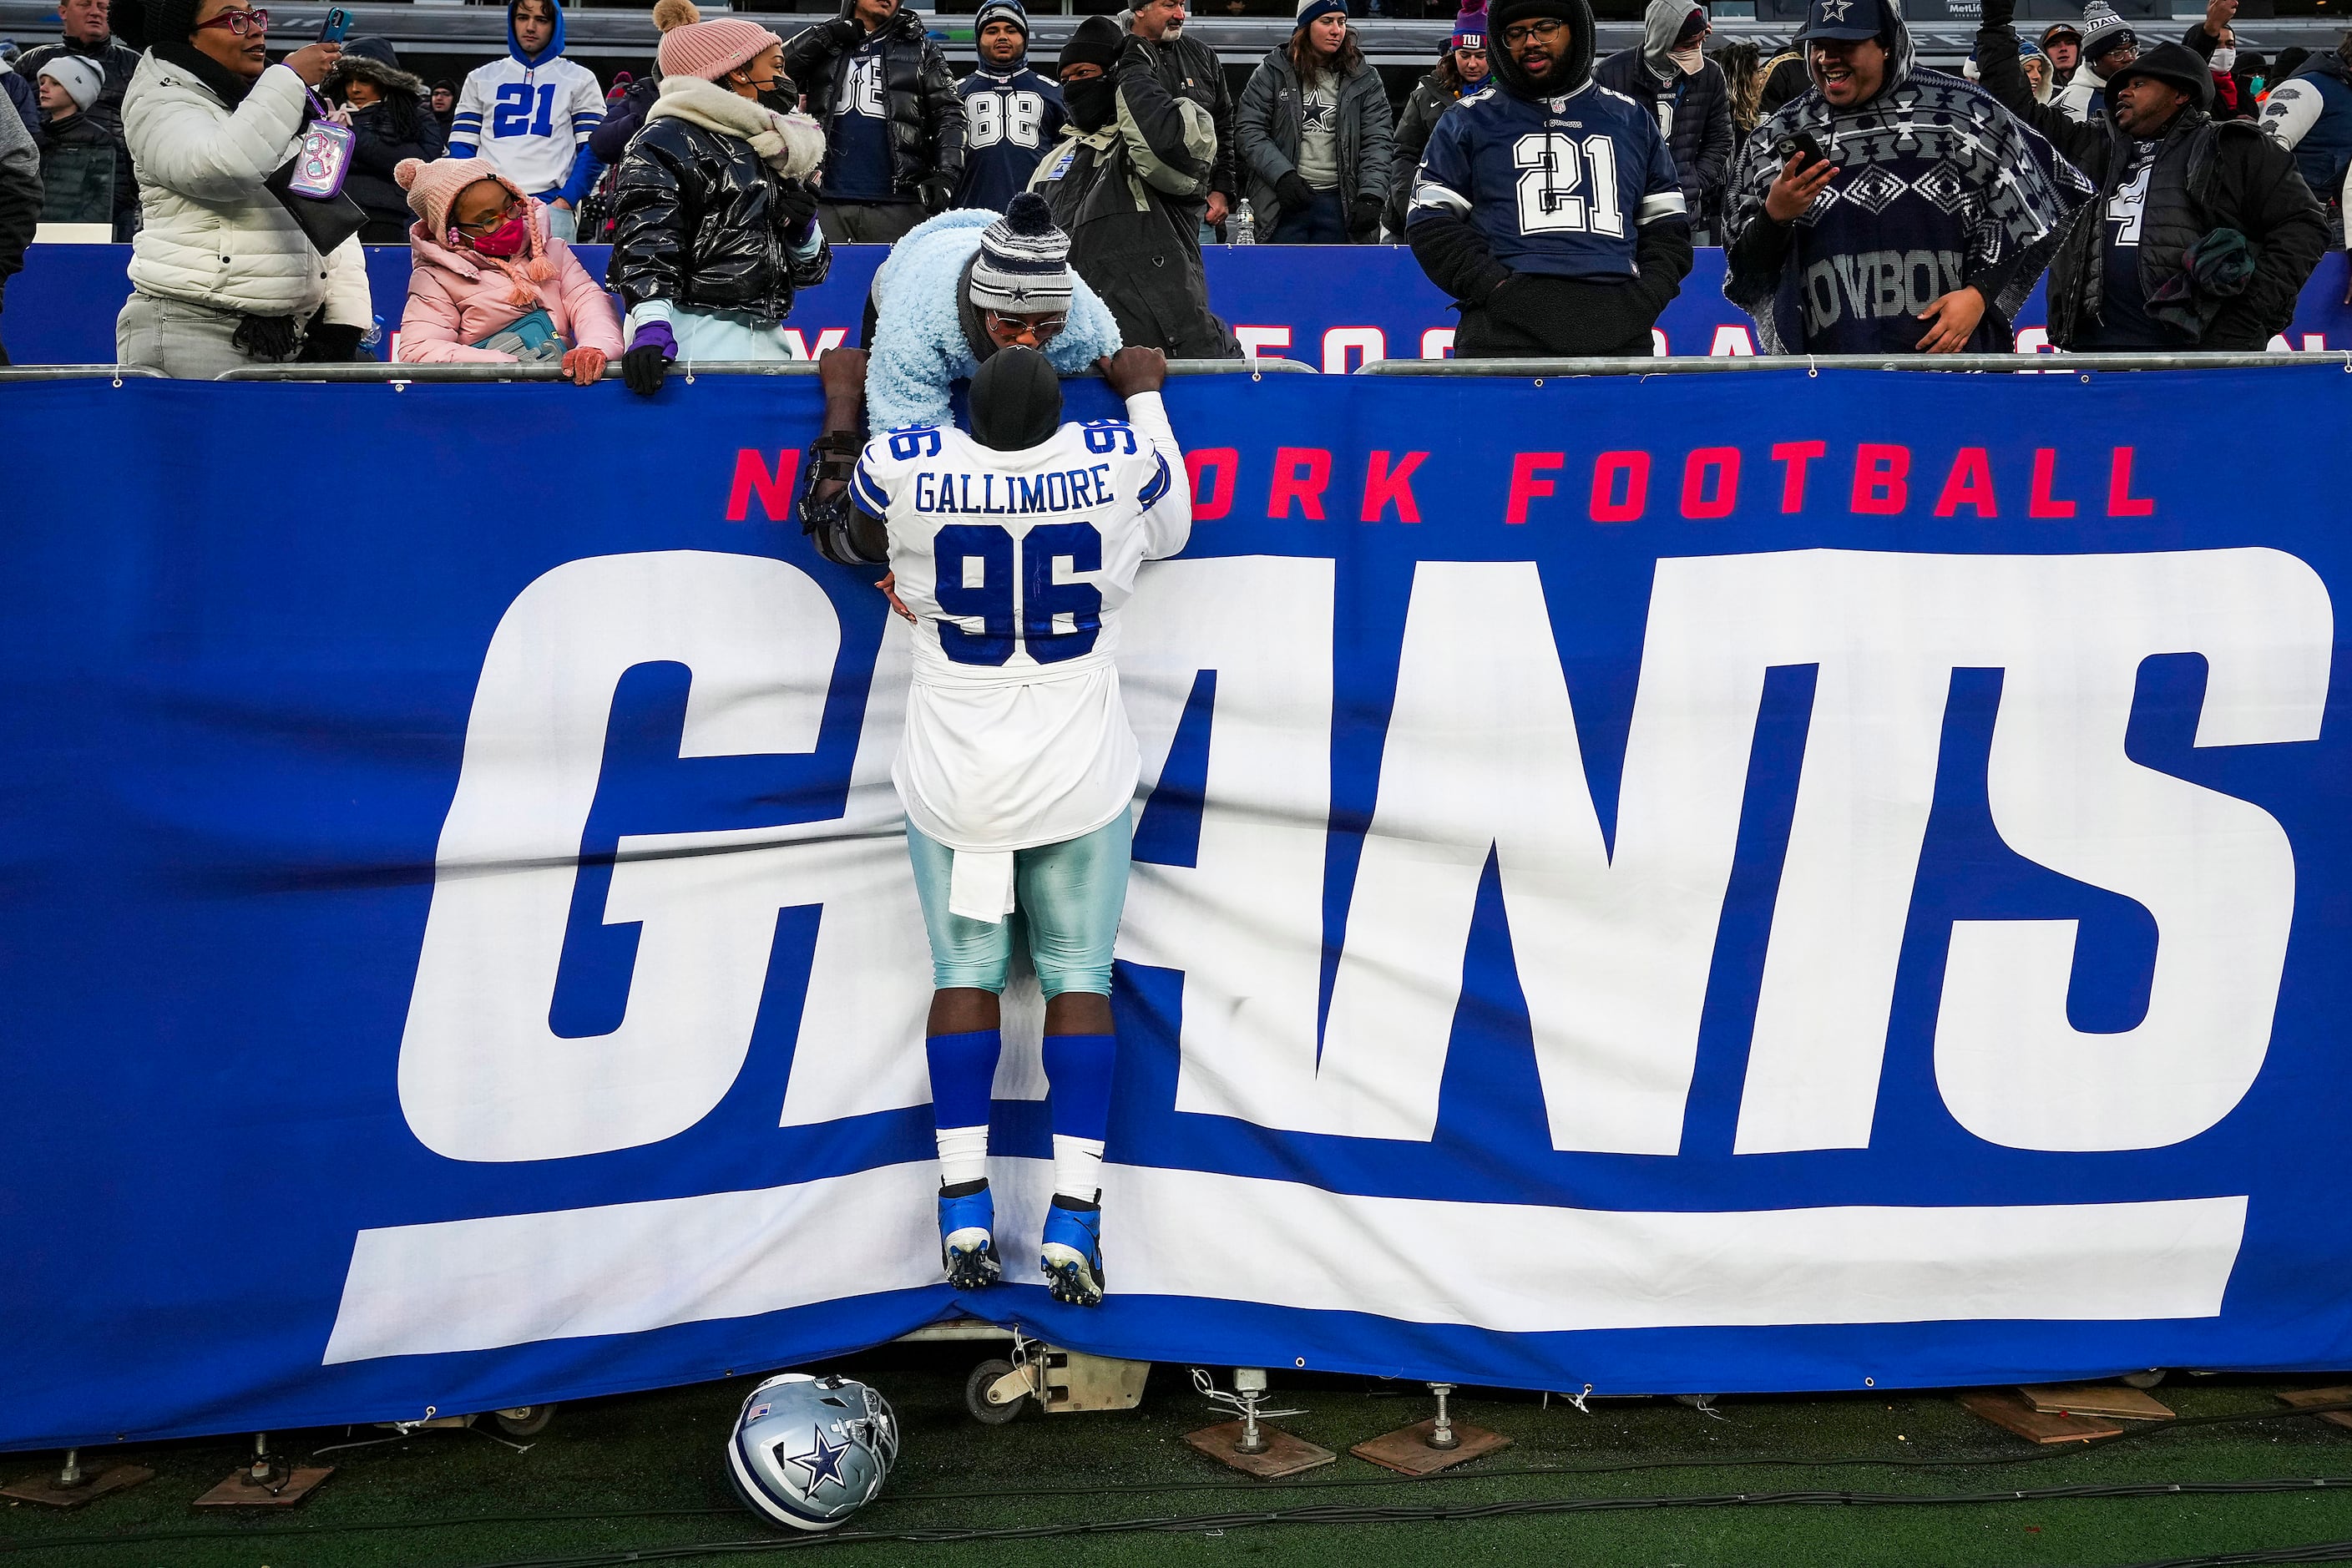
386,79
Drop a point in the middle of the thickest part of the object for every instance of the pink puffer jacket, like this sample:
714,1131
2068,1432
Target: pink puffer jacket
455,299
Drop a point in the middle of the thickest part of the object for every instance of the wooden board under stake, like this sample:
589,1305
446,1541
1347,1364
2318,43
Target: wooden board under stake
238,1492
2301,1397
1285,1454
2008,1409
2112,1400
1407,1450
43,1488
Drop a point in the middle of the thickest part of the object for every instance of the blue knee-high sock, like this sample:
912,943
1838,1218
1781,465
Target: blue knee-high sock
1077,1074
963,1069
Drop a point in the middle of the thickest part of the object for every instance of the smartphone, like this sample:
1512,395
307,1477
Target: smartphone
1800,144
338,23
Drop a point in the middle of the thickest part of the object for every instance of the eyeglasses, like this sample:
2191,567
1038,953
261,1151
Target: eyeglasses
238,22
1545,27
490,224
1043,328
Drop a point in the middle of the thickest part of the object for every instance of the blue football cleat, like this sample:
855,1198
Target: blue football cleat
1072,1255
967,1239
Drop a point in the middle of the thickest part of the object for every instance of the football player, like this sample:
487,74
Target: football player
1013,549
1547,205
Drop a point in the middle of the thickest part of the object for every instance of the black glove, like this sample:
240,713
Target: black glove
938,190
331,342
795,210
1367,215
846,32
1293,193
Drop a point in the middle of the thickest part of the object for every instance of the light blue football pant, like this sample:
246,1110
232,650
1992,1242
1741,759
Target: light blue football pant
1069,896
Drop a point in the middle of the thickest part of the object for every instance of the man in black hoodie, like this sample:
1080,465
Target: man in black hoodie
1550,208
2205,232
894,125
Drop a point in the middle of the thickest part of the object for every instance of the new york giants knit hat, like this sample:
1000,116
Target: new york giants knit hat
1023,265
1469,31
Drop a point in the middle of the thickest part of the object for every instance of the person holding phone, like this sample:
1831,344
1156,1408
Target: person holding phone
223,274
1890,208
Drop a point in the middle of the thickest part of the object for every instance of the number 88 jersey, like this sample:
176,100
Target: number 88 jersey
1016,566
1556,186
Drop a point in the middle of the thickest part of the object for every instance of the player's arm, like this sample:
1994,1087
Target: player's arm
869,529
1165,493
1441,225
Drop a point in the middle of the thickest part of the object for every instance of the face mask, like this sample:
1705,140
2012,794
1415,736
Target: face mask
2223,59
776,101
1687,60
506,240
1092,103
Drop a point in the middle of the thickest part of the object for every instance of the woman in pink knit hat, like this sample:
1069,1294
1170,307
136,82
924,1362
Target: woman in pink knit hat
488,284
714,224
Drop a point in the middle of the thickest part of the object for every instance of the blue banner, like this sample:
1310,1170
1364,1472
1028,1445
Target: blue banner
1707,883
1328,306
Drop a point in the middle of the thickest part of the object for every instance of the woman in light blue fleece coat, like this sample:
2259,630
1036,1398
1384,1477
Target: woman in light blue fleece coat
926,330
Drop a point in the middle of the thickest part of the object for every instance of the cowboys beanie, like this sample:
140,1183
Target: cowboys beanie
1309,10
1095,41
1002,10
1023,265
2103,29
1501,14
2175,65
81,80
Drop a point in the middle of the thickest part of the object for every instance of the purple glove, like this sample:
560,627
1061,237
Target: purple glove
648,358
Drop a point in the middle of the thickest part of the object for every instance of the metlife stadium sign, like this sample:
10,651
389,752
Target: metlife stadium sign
1746,881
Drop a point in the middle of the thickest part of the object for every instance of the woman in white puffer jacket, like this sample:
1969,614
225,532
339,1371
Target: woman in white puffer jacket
221,274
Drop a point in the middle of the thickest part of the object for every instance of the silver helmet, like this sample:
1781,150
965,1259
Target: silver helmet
808,1452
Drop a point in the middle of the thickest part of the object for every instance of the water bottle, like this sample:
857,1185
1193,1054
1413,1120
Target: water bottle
1242,227
373,337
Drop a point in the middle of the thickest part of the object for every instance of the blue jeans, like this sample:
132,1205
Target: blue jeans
1325,223
1069,895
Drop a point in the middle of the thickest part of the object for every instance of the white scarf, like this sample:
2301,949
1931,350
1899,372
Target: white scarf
791,144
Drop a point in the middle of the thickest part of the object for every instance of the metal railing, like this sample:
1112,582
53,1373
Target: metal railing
115,373
461,375
2008,363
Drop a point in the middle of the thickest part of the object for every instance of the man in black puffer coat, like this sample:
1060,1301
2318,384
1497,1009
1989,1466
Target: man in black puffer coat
1668,74
893,120
2203,232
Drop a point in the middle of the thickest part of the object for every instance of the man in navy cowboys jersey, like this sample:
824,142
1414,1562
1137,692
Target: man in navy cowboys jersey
1011,114
1547,205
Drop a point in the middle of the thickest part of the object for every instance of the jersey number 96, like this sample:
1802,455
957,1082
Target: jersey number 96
978,564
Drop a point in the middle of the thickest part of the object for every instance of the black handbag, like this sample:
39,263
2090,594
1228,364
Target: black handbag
329,221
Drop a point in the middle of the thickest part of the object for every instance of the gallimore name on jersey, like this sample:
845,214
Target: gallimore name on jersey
1018,495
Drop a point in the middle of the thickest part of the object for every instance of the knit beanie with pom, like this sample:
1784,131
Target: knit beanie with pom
434,188
1023,265
692,47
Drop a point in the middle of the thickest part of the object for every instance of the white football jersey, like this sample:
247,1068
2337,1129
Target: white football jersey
1016,566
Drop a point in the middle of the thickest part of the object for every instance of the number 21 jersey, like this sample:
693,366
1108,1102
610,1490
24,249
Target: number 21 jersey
1016,566
1556,186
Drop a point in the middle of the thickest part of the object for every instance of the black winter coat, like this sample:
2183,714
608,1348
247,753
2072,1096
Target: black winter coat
384,133
696,222
926,133
1129,197
1268,125
1700,138
1424,109
1187,67
2206,175
79,157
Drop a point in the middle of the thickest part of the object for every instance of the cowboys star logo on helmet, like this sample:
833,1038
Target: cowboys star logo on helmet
822,1462
798,1432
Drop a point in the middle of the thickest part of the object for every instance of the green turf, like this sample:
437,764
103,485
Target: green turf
625,1456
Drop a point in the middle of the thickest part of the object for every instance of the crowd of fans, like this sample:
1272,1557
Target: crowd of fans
2177,194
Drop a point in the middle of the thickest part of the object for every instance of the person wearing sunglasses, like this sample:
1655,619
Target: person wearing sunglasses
489,282
959,289
223,273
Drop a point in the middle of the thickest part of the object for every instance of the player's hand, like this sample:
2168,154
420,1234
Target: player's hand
1954,316
1794,191
1131,370
311,62
842,372
1219,208
889,587
2218,13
